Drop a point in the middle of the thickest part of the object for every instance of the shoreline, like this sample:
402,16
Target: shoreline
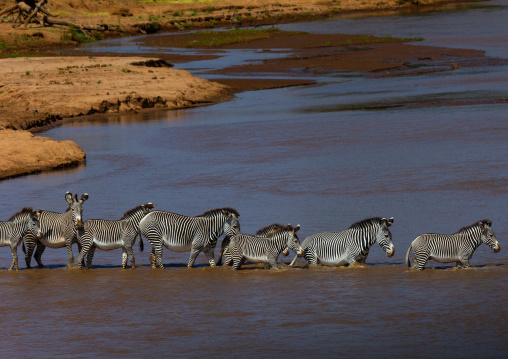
37,93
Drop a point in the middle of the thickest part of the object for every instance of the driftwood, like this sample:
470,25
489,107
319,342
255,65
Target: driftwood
25,12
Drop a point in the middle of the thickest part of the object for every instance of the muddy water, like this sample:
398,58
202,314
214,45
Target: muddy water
323,156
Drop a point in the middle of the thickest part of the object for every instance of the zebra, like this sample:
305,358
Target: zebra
264,249
458,247
349,246
182,234
15,228
58,230
106,235
224,252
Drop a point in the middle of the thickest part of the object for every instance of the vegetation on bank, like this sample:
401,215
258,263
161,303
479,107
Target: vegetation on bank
215,39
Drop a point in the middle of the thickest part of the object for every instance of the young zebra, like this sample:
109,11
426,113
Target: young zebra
349,246
224,252
182,234
58,230
106,235
264,249
458,247
15,228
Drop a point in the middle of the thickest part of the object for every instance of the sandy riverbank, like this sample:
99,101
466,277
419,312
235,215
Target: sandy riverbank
38,91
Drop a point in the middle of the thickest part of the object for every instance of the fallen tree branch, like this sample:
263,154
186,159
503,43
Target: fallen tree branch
34,13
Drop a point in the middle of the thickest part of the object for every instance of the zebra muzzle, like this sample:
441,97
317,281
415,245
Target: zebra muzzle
391,252
285,252
497,248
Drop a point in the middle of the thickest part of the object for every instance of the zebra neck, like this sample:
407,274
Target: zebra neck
472,236
134,219
216,227
279,243
367,238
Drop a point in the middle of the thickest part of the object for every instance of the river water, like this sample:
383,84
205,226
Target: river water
322,156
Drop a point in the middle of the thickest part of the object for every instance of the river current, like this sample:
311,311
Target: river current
323,156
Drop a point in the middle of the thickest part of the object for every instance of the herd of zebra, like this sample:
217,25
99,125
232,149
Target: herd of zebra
41,229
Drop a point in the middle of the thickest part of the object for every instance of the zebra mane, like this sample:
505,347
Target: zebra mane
216,211
278,230
133,210
369,222
20,213
268,229
488,222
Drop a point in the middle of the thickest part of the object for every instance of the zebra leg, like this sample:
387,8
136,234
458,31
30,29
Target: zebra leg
152,258
30,246
70,261
238,262
464,263
14,250
38,254
81,256
311,258
79,251
228,260
89,257
272,262
209,255
194,254
157,257
419,262
131,257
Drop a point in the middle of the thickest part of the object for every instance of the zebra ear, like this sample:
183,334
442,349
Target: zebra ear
149,205
84,197
297,228
390,221
68,197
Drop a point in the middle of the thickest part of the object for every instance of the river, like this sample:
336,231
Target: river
323,156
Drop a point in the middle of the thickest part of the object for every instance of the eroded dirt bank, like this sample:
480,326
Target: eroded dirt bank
37,91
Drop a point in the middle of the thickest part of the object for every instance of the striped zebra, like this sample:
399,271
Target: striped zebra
349,246
182,234
264,249
15,228
224,252
58,230
106,235
458,247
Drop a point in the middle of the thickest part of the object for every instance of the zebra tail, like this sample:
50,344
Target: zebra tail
407,256
23,247
141,244
219,261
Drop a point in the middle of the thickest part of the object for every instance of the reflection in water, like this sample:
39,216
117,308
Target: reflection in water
291,155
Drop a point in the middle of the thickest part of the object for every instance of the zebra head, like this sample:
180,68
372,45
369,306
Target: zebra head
34,225
231,225
294,241
488,237
76,207
384,237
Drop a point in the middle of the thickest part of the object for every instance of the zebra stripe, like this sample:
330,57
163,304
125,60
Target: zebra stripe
182,234
15,228
264,249
107,235
58,230
349,246
458,247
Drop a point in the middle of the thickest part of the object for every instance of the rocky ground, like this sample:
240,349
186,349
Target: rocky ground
37,90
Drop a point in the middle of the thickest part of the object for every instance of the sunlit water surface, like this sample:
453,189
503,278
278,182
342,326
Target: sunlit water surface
322,156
